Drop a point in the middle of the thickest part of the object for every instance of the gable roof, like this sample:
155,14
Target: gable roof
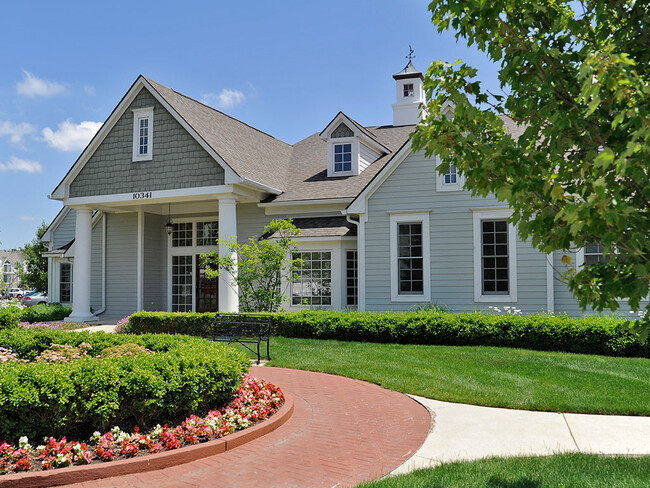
251,153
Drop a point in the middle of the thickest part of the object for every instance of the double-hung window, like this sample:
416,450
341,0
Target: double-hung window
409,256
143,134
495,260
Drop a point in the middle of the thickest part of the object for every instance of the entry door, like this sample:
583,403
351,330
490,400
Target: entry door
207,299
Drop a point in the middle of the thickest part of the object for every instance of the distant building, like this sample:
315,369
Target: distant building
9,261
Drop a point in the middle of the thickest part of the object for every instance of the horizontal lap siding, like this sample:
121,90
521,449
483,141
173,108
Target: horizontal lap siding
121,263
65,231
412,187
155,263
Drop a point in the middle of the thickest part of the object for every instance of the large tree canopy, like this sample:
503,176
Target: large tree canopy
574,77
33,272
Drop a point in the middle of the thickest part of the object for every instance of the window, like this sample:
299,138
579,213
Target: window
207,233
7,267
182,234
352,277
494,257
594,253
451,176
408,90
495,274
181,283
65,283
7,278
410,260
342,158
142,134
314,285
451,180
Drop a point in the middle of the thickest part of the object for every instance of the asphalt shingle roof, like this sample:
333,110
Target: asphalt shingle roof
320,227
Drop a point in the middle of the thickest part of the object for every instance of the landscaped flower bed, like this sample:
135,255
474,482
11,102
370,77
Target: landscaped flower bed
55,383
256,400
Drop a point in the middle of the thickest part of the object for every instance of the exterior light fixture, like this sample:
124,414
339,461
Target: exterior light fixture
169,226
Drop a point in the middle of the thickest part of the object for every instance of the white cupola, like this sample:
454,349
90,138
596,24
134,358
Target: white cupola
410,96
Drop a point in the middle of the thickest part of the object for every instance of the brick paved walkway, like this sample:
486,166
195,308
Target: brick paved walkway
342,432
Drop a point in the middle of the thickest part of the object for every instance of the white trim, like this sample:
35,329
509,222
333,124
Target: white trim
140,262
440,179
550,285
354,127
157,196
488,213
320,201
140,114
361,266
580,258
354,157
406,217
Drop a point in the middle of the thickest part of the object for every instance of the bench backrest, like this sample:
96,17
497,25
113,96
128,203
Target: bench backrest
239,325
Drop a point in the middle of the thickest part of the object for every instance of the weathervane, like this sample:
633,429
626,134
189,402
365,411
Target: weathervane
410,55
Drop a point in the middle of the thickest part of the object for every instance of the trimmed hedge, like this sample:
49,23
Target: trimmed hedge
184,376
11,315
590,335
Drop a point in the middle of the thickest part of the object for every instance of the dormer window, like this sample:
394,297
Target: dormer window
451,176
451,180
408,90
342,158
143,134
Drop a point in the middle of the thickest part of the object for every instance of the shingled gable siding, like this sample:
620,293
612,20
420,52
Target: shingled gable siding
178,160
413,186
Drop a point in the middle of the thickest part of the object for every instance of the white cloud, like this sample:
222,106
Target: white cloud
17,164
71,137
16,131
26,218
89,90
226,99
32,86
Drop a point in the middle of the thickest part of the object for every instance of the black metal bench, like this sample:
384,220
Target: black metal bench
241,328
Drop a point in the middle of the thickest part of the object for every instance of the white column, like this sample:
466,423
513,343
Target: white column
81,268
228,295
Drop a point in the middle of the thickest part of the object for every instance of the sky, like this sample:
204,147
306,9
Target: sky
283,67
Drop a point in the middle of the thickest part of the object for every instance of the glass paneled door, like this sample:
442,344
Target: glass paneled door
207,297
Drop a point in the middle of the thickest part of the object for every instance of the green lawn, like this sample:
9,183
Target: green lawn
561,471
500,377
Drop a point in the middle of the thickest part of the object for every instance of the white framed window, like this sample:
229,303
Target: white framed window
410,261
207,233
408,90
7,267
495,256
343,157
591,253
352,278
451,180
143,134
65,283
314,285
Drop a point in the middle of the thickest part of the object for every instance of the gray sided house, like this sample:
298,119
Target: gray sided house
380,228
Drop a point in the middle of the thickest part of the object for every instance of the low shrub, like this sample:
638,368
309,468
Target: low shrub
183,376
590,335
45,313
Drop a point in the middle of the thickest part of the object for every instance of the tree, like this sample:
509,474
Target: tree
261,266
33,272
576,84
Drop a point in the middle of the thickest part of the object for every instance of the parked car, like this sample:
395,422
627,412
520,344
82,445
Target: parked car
34,298
18,293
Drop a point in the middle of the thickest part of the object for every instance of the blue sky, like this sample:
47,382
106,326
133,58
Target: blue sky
284,67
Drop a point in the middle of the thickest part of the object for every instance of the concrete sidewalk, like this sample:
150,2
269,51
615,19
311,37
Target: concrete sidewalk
468,432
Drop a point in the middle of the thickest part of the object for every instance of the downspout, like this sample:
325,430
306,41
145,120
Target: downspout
103,309
361,264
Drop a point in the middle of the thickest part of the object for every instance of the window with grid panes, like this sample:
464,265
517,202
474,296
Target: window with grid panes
314,285
451,176
352,277
181,283
594,253
182,234
207,233
410,259
65,283
494,257
342,157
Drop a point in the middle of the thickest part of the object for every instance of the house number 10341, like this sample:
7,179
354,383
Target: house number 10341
140,195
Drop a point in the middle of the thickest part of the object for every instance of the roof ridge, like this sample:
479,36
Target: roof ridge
219,111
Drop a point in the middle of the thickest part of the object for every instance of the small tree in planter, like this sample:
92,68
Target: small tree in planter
262,265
